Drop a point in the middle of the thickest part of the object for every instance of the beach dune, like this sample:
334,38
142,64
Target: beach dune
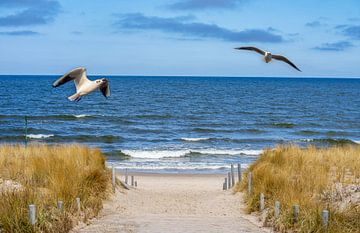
174,203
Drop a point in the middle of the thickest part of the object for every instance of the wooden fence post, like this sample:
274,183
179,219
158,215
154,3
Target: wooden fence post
296,209
60,205
325,217
32,214
225,183
277,209
126,176
262,202
229,181
113,178
232,176
239,172
78,204
250,182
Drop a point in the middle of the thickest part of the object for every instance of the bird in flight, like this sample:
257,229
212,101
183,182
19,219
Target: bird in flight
83,85
268,56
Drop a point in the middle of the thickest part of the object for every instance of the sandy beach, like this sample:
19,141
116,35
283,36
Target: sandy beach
174,203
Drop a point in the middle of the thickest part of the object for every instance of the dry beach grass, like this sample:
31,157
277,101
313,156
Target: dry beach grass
315,179
42,175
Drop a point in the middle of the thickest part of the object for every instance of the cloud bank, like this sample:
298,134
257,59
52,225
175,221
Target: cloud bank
19,33
186,27
204,4
29,12
337,46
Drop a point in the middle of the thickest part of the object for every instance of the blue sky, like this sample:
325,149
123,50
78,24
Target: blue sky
179,37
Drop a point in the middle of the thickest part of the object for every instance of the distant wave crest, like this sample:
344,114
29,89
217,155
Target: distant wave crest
40,136
195,139
331,141
157,154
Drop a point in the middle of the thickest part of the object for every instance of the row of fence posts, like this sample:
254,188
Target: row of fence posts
60,204
229,181
277,207
113,178
60,207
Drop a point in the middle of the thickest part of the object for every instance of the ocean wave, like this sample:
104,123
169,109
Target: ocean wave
172,167
283,125
195,139
329,141
80,116
40,136
158,154
153,116
91,138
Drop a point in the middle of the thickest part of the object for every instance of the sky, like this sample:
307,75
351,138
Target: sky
180,37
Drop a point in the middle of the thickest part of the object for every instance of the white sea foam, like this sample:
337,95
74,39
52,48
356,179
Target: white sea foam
307,140
39,136
80,116
173,166
194,139
157,154
357,141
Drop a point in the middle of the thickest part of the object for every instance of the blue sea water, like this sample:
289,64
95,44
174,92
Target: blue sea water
183,124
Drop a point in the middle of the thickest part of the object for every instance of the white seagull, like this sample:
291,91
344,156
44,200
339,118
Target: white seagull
268,56
83,85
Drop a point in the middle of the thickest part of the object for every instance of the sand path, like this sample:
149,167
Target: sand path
174,203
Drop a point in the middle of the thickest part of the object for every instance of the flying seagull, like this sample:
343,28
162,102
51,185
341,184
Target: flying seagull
268,56
83,85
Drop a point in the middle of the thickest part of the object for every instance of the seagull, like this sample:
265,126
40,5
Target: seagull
83,85
268,56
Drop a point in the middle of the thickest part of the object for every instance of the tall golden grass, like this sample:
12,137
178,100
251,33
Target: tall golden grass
47,174
315,179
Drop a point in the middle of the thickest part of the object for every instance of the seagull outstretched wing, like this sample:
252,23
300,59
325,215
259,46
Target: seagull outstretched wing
78,75
284,59
252,49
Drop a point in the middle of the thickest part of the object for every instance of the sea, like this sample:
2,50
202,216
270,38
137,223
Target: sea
183,124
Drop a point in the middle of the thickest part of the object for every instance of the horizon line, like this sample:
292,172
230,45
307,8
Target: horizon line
197,76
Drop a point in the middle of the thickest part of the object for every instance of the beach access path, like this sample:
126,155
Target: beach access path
174,203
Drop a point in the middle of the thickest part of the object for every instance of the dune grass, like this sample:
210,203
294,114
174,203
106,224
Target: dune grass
315,179
43,175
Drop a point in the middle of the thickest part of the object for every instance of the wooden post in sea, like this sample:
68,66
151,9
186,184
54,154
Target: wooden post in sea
113,178
132,180
325,218
225,184
126,176
32,214
60,205
78,204
239,172
232,175
296,209
26,130
262,202
277,209
229,181
250,182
